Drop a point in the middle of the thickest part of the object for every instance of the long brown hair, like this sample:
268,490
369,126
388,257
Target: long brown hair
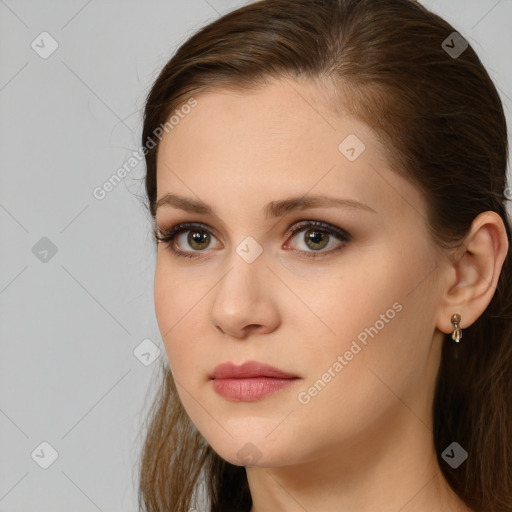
442,120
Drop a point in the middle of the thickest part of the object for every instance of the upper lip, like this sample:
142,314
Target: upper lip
248,369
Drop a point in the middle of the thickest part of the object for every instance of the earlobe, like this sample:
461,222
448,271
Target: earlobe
477,266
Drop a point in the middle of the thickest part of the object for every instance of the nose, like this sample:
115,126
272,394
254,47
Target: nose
243,301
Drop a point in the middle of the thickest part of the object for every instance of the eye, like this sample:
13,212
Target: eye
317,236
196,236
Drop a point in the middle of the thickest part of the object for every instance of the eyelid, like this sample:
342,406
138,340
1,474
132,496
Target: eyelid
169,235
320,225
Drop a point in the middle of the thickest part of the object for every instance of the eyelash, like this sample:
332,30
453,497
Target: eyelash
167,236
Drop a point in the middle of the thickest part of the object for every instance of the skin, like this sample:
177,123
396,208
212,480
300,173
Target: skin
364,442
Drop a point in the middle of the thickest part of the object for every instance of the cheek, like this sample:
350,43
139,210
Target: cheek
174,310
378,318
174,294
164,299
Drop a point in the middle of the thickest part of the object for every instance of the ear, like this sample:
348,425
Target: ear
473,271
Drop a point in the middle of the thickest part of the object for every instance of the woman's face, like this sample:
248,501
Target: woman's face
355,326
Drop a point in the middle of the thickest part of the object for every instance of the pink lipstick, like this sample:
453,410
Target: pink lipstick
250,381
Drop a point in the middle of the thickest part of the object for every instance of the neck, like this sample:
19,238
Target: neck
388,468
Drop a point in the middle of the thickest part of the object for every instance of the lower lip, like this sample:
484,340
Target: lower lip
251,389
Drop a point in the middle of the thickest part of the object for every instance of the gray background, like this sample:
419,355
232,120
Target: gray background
71,321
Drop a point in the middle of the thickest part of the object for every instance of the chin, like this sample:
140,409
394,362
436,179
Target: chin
262,453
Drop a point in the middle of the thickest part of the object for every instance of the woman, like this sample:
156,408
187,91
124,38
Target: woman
333,287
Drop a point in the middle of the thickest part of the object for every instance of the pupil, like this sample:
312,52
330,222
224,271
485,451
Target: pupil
197,237
315,237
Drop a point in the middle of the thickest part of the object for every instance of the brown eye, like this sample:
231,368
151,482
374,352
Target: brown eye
186,240
189,240
198,240
317,237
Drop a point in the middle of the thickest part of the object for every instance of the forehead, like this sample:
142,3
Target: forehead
282,115
279,140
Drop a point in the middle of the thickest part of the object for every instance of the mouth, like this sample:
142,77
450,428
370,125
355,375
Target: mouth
250,381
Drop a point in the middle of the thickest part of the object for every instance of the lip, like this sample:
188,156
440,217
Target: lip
249,369
250,381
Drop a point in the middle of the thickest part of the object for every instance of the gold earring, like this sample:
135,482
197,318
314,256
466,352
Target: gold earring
457,333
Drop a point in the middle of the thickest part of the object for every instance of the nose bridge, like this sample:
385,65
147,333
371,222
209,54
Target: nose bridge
249,250
246,272
242,295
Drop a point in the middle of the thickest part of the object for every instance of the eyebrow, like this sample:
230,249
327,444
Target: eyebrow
272,209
